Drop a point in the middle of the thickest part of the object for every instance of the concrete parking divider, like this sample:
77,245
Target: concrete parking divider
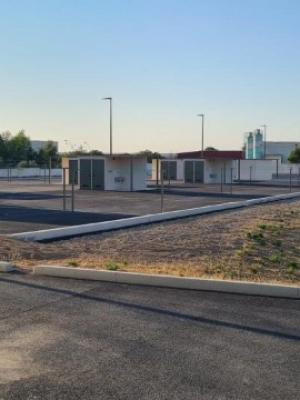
97,227
7,266
226,286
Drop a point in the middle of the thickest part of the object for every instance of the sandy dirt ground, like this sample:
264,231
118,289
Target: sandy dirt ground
258,244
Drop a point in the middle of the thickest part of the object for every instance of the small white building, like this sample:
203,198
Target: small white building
195,167
120,172
213,167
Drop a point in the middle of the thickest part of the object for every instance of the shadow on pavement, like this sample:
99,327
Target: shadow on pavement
55,217
194,193
160,311
28,196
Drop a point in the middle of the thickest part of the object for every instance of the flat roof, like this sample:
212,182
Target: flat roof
113,156
213,154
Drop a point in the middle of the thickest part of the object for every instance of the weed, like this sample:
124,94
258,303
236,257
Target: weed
242,252
254,269
73,263
290,270
262,226
112,266
258,237
275,258
277,243
292,267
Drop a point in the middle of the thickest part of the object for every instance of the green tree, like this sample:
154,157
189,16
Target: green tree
3,149
150,155
294,156
47,152
210,148
19,148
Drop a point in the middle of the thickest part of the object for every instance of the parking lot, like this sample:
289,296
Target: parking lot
28,205
71,339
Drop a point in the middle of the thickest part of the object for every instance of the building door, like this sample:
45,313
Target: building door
169,170
172,170
189,171
73,171
85,174
98,174
199,171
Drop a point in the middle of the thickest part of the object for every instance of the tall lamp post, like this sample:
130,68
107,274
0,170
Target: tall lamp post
202,141
265,139
110,124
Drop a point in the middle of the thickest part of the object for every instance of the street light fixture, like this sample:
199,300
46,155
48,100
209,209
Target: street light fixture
202,144
110,123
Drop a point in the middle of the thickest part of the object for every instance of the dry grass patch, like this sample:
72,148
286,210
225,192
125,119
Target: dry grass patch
259,244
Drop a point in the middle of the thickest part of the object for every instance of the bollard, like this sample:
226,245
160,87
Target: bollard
231,174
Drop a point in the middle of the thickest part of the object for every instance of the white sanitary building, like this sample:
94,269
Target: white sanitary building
120,172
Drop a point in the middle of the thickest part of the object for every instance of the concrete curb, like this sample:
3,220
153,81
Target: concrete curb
6,266
77,230
247,288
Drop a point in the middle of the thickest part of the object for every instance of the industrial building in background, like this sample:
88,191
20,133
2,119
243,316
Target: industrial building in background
257,148
254,145
280,150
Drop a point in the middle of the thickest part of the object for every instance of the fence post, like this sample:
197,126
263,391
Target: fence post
290,179
221,180
73,191
64,189
157,171
50,166
161,190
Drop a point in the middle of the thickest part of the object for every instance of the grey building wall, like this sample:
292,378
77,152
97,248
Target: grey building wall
281,148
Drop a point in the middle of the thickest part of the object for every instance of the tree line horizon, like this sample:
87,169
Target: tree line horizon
16,151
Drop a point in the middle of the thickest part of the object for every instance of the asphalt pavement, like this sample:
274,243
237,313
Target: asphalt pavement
71,339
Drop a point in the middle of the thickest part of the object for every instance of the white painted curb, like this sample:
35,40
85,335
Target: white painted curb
250,288
69,231
6,266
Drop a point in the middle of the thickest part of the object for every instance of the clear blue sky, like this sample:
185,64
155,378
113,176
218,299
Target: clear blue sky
162,61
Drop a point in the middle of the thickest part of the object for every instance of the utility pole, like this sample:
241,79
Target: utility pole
265,140
202,139
110,125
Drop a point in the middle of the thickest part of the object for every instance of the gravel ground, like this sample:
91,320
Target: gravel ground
259,244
